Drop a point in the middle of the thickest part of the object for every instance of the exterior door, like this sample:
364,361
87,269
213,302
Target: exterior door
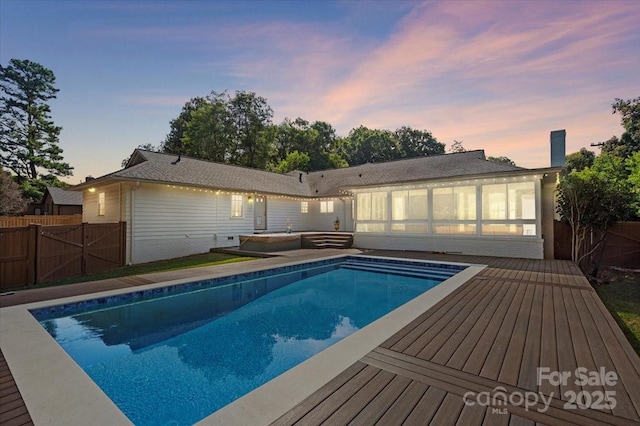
260,213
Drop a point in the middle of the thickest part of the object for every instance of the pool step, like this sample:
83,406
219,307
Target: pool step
429,268
416,271
327,240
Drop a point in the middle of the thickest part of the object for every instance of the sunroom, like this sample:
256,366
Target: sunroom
498,215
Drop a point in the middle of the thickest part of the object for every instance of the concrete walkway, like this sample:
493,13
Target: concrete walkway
57,292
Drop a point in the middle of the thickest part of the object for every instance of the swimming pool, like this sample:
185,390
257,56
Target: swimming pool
166,356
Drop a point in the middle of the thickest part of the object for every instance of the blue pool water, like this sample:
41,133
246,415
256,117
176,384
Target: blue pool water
176,357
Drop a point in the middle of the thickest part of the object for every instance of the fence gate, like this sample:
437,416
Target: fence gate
71,250
37,254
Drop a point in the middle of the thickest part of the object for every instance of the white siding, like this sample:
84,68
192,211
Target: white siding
125,197
112,205
170,222
481,246
324,221
281,210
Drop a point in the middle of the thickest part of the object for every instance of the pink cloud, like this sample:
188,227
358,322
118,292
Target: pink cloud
498,75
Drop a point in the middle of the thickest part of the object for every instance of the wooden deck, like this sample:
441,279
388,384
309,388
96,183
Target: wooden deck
12,409
490,335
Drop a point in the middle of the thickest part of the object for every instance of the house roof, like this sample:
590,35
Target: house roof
469,163
63,197
164,168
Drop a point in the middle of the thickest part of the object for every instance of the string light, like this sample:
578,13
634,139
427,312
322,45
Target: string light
351,193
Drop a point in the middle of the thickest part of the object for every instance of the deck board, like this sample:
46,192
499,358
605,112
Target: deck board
494,332
372,412
402,407
460,332
358,401
493,363
426,408
531,352
477,334
13,411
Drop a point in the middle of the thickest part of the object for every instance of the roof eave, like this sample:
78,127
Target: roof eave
520,172
105,180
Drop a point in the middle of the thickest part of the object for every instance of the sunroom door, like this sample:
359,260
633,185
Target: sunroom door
260,214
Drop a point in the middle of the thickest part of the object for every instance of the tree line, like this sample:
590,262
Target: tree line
238,129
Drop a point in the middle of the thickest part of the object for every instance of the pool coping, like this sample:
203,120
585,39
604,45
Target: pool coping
57,391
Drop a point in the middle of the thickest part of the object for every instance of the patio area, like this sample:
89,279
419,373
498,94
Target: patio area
490,336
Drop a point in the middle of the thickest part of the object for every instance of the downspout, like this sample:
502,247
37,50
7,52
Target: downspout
133,198
120,201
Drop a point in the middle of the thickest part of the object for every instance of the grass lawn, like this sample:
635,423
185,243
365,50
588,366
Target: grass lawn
207,259
622,297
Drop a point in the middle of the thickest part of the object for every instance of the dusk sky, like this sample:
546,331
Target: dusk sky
498,76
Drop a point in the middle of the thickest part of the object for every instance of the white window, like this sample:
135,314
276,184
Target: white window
511,201
371,206
101,204
454,203
363,205
409,205
304,207
326,206
236,205
509,209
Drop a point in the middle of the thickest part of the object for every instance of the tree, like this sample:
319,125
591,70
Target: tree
208,133
317,140
250,117
456,146
172,143
633,168
371,146
629,141
11,201
29,138
579,160
294,161
502,160
234,130
418,143
593,199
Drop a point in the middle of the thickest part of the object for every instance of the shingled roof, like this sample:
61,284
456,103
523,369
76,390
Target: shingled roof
164,168
63,197
469,163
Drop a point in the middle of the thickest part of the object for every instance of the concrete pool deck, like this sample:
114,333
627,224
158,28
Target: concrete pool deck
492,330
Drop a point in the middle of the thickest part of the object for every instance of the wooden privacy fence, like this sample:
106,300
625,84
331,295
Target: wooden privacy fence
18,221
36,254
622,248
